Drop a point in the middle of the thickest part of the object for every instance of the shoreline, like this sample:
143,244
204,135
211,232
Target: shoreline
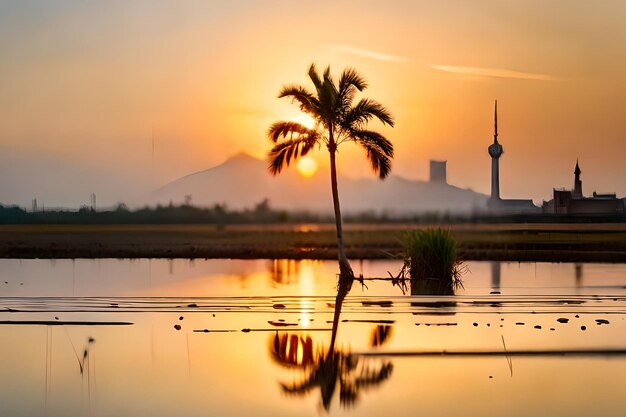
508,242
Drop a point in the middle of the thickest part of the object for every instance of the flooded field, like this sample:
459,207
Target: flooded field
239,338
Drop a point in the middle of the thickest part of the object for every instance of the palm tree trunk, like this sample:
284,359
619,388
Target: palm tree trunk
346,276
345,270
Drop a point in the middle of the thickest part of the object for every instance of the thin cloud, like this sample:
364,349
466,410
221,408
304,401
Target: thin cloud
366,53
493,72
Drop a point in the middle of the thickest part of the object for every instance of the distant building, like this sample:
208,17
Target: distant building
438,172
574,202
496,204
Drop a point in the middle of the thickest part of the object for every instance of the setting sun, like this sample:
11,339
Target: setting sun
307,166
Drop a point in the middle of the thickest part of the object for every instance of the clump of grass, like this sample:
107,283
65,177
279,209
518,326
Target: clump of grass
431,255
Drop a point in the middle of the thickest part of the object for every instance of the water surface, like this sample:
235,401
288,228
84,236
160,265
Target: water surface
98,337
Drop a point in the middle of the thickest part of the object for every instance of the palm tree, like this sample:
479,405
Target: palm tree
337,120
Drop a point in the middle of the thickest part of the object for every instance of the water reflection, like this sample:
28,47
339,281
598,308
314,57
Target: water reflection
496,271
326,368
352,375
381,334
339,347
430,287
283,271
433,287
329,369
578,268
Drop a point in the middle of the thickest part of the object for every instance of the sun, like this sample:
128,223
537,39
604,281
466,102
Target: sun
307,166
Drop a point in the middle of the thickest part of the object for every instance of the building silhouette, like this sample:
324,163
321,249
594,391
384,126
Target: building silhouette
578,184
496,204
574,202
438,172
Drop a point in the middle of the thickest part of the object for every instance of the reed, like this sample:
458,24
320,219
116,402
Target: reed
431,259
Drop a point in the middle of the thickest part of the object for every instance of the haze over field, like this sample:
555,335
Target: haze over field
240,182
84,84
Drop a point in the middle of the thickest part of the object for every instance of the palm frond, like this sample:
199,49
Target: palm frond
349,83
351,78
315,78
345,101
330,83
281,154
307,101
327,95
328,100
367,109
365,137
327,77
379,151
286,128
379,162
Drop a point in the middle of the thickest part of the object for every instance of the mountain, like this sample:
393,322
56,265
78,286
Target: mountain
243,181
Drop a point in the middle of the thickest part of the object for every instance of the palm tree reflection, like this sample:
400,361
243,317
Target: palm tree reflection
381,334
326,368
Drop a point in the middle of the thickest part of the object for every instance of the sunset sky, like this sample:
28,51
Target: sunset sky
84,84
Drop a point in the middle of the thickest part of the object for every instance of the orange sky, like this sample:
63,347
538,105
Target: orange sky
83,84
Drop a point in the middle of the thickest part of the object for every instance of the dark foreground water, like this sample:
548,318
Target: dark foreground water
102,338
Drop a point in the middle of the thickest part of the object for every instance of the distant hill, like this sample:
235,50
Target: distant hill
243,181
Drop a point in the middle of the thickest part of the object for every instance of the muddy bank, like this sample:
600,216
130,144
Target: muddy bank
550,243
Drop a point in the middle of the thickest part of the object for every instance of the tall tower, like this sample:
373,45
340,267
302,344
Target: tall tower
495,151
578,184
